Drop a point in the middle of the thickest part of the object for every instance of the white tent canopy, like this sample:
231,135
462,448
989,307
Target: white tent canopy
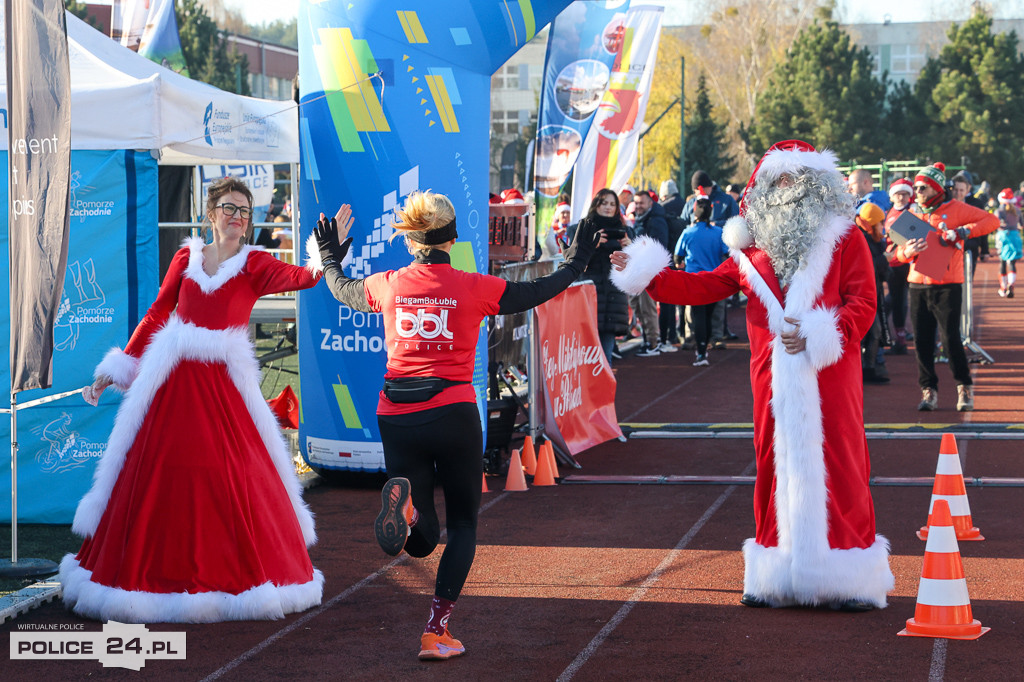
120,100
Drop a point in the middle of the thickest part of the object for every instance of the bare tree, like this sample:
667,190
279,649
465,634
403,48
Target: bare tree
738,48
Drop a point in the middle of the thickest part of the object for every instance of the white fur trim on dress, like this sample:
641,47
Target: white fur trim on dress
647,258
736,233
314,262
228,269
786,578
175,342
790,573
780,161
263,602
119,366
820,328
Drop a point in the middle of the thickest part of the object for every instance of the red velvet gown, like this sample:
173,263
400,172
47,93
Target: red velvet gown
195,513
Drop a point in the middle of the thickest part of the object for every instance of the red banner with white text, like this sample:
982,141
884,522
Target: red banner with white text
579,385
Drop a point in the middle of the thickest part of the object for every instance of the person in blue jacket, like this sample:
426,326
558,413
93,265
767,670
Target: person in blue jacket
700,248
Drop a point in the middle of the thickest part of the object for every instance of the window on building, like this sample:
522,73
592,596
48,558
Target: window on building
906,59
505,122
507,78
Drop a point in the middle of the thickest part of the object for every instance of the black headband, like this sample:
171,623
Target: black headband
434,237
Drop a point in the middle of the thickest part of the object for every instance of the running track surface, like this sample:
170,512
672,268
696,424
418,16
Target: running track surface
615,582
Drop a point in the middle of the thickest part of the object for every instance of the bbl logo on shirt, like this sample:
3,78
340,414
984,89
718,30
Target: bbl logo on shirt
422,324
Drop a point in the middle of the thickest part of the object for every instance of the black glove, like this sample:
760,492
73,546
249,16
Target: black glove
583,245
326,233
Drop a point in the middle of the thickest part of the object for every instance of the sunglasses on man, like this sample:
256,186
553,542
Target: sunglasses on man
920,188
231,209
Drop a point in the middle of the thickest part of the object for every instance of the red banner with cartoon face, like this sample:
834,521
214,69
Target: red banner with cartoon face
578,381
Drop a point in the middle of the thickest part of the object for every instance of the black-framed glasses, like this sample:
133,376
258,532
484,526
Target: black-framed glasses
920,188
231,209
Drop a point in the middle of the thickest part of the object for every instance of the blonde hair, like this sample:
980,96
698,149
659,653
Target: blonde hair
423,211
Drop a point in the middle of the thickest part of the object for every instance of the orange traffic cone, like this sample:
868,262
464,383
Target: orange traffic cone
544,475
529,457
515,482
943,605
550,450
949,486
484,488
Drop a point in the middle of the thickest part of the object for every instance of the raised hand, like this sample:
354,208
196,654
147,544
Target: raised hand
332,235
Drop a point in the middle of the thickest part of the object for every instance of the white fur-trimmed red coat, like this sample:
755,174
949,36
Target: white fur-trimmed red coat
815,541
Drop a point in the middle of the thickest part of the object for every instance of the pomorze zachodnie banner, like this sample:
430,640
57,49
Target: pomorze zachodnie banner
38,118
370,141
111,280
582,44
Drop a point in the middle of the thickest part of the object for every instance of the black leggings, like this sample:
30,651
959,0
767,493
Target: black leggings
1007,264
448,450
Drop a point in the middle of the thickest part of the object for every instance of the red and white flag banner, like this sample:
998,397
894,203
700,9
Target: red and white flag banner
609,152
578,382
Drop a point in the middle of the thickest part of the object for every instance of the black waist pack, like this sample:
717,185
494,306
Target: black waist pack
416,389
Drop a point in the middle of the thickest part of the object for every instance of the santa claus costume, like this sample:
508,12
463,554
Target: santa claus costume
815,541
195,513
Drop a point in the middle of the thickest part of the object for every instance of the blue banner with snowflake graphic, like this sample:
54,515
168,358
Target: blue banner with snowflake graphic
111,279
393,100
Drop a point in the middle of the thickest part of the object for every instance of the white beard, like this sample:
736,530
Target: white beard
784,221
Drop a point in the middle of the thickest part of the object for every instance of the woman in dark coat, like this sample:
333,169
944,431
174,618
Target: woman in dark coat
612,304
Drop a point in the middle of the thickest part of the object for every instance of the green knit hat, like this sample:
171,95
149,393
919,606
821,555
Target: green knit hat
934,176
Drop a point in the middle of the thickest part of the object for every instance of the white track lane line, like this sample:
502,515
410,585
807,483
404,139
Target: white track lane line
651,579
231,665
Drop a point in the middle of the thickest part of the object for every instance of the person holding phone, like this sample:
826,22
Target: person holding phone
612,305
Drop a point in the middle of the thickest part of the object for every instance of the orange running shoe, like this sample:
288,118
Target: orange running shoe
439,647
396,515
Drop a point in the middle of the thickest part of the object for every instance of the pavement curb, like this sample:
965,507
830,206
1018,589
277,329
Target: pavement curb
28,598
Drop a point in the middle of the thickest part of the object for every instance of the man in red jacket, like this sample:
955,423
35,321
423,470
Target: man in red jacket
810,284
935,301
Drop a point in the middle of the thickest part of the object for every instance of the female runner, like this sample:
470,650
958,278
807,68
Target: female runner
429,424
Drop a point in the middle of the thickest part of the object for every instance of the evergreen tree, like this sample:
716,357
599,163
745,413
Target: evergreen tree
206,50
970,101
278,31
822,93
706,146
81,10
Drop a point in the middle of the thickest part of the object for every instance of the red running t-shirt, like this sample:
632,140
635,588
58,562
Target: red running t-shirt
432,314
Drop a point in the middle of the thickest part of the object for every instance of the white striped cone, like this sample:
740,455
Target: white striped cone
943,604
949,486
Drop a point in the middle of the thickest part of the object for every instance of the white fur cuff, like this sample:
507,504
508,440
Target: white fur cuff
820,327
314,263
647,258
119,366
736,233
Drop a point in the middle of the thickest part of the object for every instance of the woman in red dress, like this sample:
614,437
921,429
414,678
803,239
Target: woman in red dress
195,513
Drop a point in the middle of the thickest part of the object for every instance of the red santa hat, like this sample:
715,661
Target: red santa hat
563,207
901,185
788,156
511,196
702,193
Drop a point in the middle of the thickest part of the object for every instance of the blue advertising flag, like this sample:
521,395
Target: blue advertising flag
583,42
393,100
111,280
